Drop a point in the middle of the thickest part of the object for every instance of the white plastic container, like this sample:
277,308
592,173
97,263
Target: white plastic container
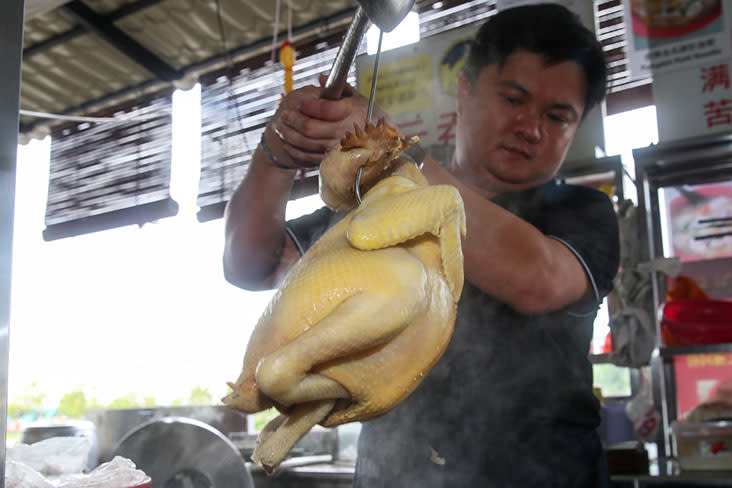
703,445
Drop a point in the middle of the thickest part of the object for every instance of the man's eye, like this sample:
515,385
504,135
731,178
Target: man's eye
511,100
558,118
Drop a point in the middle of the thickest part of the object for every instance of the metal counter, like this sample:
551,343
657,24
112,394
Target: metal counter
695,479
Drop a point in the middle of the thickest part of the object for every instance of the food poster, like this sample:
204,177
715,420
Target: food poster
417,87
698,221
702,378
668,35
696,227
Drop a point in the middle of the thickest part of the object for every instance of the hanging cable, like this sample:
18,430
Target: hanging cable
275,27
289,20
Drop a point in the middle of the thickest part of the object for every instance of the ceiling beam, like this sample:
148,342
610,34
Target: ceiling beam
130,8
104,28
51,42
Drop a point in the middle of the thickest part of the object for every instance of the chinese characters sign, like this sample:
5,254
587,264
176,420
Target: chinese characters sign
695,101
667,36
701,378
404,85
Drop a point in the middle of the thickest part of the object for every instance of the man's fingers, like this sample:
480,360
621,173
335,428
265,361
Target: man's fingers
304,158
329,110
306,142
310,127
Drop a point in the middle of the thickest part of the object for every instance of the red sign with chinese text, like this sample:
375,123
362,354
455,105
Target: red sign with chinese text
700,378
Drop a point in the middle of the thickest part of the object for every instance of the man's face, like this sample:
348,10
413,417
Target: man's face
515,125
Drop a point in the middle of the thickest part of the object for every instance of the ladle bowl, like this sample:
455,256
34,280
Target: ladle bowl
385,14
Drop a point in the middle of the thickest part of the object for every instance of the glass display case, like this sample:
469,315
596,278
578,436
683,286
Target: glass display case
685,200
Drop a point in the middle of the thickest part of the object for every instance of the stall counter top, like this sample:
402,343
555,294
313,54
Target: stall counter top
690,479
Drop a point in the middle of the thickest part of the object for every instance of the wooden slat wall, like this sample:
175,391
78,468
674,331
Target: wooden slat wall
104,175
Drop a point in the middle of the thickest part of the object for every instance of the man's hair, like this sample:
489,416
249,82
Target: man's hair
549,30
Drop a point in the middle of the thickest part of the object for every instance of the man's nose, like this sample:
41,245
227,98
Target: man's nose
528,125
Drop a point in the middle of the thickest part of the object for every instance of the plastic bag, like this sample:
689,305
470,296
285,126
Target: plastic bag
19,475
53,456
119,472
59,462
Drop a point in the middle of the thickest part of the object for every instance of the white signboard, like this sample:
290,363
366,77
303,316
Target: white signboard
668,36
694,102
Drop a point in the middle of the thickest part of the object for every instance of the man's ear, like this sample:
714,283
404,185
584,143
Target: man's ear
463,91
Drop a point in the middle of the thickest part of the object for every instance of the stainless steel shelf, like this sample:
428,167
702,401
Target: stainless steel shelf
669,352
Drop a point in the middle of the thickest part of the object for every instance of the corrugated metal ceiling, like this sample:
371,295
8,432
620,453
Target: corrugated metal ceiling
82,56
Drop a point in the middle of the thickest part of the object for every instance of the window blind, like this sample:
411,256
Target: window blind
111,174
234,112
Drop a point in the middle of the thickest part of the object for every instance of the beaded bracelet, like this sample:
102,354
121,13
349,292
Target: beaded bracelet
272,157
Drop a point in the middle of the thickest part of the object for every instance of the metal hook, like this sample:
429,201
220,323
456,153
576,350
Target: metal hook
358,184
370,108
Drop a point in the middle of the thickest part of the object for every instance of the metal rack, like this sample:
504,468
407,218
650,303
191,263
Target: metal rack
687,162
609,168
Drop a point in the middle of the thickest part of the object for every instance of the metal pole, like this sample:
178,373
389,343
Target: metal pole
349,47
11,38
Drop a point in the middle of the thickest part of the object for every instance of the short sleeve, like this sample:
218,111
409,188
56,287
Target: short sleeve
307,229
584,220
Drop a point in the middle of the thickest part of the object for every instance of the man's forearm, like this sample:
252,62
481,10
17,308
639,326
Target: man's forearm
509,258
256,242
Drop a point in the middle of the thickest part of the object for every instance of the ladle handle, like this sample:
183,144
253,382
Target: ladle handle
336,81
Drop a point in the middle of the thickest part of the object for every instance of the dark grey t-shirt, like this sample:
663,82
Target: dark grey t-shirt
510,403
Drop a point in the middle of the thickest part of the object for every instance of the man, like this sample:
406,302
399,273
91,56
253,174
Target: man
510,403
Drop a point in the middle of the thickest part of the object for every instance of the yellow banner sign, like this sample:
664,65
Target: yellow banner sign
402,86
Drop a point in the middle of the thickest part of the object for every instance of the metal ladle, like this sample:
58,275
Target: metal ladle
385,14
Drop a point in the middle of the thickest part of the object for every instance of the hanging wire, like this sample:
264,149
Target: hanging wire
222,34
231,100
289,20
373,78
372,95
137,175
275,26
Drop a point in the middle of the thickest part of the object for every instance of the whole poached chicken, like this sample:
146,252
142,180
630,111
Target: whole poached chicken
366,313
